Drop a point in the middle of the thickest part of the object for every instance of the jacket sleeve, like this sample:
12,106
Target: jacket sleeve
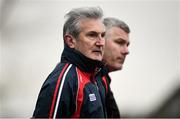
57,98
111,105
67,100
43,102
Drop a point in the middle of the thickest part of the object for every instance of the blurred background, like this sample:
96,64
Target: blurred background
31,45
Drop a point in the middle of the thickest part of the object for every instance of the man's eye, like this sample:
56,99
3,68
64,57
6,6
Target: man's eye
120,42
92,35
103,35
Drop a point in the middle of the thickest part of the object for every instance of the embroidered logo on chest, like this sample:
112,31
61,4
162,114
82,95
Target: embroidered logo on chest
92,97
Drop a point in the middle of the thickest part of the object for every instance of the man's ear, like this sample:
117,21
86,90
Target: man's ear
70,41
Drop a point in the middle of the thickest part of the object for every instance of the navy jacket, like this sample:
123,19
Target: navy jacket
110,103
72,89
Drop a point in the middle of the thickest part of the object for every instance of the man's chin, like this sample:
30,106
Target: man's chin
118,68
114,68
99,58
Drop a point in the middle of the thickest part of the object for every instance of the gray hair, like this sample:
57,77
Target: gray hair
110,22
72,24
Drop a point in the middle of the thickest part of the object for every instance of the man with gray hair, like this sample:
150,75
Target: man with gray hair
117,42
115,51
71,89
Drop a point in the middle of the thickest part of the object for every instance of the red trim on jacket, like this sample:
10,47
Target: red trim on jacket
56,90
105,82
83,79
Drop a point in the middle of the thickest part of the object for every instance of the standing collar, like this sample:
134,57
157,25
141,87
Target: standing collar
84,63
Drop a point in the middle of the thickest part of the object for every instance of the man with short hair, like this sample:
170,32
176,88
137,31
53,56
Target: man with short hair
117,42
115,51
71,89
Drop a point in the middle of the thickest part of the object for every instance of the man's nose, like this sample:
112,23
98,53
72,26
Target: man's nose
125,50
100,41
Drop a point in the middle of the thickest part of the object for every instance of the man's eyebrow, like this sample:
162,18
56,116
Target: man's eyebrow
96,32
122,40
104,33
92,32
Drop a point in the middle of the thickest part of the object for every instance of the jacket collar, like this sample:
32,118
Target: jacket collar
82,62
105,72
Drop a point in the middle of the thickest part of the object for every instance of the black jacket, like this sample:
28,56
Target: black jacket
72,89
111,105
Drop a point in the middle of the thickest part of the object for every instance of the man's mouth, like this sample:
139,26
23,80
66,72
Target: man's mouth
121,60
97,51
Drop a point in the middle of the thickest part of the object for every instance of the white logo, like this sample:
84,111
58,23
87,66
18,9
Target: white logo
92,97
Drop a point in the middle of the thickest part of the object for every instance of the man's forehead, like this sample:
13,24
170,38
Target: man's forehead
92,24
117,30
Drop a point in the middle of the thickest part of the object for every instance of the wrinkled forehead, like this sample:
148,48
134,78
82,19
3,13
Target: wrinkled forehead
92,25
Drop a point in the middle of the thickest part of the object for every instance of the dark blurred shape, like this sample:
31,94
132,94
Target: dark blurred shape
170,108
